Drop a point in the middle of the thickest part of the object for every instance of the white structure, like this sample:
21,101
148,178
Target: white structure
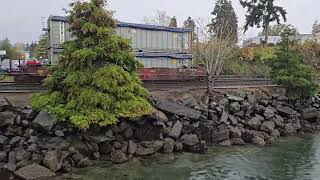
273,40
255,41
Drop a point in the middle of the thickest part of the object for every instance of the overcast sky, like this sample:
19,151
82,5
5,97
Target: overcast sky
20,20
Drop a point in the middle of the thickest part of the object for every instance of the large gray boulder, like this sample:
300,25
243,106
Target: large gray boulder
221,135
247,135
168,145
278,121
176,130
258,141
141,151
234,98
254,123
147,132
224,117
268,113
132,147
27,113
251,98
267,126
160,116
3,156
235,133
289,129
178,109
275,133
226,143
157,145
11,165
44,121
286,111
84,162
234,120
4,103
237,141
189,101
99,138
33,171
53,159
190,140
7,118
118,157
234,107
310,114
200,148
3,140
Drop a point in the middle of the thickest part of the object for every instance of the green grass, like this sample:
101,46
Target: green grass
7,78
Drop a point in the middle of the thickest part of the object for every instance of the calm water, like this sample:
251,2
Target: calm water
292,158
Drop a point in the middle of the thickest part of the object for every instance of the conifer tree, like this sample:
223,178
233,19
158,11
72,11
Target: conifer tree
41,51
224,12
95,81
190,24
173,22
261,13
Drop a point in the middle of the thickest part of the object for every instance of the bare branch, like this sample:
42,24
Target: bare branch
160,19
213,51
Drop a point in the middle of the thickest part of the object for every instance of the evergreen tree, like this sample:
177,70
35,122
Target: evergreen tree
224,12
261,13
32,49
95,81
277,29
173,22
41,51
190,24
7,46
316,28
293,74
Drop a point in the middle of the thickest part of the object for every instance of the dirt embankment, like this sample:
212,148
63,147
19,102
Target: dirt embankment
18,99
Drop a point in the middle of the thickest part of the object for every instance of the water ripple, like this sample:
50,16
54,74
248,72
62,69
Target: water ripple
293,158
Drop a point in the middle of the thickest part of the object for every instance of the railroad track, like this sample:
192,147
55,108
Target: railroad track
12,87
218,84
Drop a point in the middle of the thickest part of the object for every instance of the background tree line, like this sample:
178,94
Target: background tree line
38,50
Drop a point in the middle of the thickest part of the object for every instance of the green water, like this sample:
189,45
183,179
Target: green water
293,158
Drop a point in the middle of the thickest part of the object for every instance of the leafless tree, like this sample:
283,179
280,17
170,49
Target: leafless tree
213,52
160,19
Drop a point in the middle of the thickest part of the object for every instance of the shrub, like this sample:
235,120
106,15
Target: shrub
298,78
257,54
95,81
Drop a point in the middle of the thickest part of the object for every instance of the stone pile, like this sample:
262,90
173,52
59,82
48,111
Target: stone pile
33,145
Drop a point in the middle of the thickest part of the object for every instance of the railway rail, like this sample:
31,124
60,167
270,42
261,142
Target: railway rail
220,83
12,87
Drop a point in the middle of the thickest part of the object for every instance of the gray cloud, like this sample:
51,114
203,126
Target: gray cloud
20,20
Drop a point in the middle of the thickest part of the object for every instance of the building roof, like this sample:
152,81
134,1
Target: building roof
153,27
169,55
133,25
59,18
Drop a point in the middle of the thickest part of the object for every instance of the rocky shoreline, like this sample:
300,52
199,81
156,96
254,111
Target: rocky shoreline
34,145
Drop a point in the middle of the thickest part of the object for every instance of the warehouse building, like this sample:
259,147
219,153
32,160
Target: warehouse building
154,46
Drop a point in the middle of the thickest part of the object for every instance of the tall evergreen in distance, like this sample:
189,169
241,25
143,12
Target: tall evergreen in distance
261,13
191,24
173,22
223,12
